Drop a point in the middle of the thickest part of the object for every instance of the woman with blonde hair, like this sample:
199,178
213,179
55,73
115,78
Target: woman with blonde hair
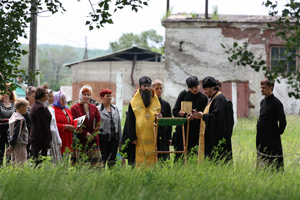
88,134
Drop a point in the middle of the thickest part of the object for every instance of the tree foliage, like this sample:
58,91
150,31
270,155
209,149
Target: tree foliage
147,39
15,16
287,28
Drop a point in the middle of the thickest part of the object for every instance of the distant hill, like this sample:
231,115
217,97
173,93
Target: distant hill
92,53
51,61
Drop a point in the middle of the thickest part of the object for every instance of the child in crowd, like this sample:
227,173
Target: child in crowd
18,133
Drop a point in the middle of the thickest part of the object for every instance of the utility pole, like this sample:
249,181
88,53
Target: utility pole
85,56
32,43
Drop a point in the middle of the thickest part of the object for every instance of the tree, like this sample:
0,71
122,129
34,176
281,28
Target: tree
57,58
147,39
13,22
287,28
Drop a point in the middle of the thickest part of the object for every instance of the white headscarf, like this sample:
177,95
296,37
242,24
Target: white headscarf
80,92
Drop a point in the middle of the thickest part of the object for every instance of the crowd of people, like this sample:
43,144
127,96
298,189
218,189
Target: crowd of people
42,125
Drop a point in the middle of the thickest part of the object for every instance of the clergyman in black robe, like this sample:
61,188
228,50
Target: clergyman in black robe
164,138
268,138
218,123
199,102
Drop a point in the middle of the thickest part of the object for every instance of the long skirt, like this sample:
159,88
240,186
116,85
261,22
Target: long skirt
92,156
19,155
54,150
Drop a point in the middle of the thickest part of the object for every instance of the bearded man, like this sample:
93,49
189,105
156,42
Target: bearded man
138,133
215,129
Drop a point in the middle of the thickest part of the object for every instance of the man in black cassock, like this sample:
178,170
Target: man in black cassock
164,139
216,120
199,102
268,138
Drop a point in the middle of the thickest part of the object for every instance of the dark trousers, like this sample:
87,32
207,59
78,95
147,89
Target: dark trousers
3,141
109,150
38,150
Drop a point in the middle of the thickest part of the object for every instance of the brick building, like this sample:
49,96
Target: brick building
193,47
101,72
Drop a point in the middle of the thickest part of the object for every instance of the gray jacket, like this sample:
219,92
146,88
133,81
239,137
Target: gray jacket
105,120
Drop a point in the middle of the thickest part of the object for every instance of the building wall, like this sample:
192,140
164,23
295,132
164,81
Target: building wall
194,49
102,75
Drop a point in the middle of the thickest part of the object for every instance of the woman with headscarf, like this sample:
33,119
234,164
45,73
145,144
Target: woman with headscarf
64,121
56,143
7,108
87,134
40,117
110,129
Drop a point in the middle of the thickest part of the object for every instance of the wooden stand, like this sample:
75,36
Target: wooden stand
168,121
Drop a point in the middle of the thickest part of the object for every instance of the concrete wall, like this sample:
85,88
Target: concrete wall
102,75
195,49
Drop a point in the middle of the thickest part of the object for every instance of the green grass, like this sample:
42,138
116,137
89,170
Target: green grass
166,181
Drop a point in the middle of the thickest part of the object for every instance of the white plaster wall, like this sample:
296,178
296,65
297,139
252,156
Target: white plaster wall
202,55
107,72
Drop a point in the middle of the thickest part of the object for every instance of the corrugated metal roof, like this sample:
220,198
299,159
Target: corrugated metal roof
125,55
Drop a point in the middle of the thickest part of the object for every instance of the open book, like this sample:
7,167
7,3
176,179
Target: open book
79,121
187,106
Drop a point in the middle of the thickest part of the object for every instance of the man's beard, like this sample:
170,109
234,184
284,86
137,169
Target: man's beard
146,97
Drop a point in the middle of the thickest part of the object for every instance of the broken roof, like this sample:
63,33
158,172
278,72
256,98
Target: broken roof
200,18
125,55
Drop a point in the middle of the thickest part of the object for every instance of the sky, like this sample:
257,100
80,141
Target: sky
69,28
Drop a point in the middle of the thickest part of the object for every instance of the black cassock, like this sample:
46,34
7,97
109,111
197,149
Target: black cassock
268,139
218,129
199,101
164,132
129,135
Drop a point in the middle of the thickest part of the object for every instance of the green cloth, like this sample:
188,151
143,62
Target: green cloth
168,121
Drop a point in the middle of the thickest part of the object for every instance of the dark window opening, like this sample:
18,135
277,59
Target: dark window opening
277,55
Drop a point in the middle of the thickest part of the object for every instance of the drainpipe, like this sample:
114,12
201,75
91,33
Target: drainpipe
132,69
206,9
168,6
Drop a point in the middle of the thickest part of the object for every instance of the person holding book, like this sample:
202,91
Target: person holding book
87,141
216,124
64,120
138,133
186,101
18,133
164,139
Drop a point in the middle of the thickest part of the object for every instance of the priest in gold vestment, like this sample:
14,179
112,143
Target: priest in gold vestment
138,133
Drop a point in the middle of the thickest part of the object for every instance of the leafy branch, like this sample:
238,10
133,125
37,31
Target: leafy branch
287,27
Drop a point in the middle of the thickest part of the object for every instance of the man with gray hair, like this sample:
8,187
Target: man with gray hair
164,139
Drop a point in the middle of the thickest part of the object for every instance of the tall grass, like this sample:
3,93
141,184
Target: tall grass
166,180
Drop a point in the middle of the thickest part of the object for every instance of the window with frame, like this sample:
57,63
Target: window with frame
277,56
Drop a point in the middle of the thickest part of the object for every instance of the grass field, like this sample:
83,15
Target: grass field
166,181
